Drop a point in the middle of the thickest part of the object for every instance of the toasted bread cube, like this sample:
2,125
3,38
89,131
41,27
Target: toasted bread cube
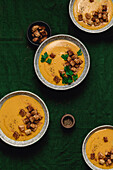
28,132
37,117
105,139
61,71
26,120
35,39
56,79
92,156
67,64
100,155
34,112
75,73
36,121
109,161
91,1
32,125
111,156
37,34
72,63
104,7
28,125
16,135
35,128
43,32
77,65
75,56
70,53
107,154
77,61
42,39
30,108
80,61
73,69
101,161
31,119
35,27
80,17
69,59
111,151
21,128
88,16
22,112
28,115
41,28
52,55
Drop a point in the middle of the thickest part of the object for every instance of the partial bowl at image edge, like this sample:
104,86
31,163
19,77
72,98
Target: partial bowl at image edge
93,167
71,3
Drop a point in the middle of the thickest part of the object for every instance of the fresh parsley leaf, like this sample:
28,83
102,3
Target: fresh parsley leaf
75,77
49,61
64,79
64,56
46,54
79,52
43,58
70,80
68,71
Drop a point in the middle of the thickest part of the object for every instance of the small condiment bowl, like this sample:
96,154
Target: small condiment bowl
29,31
67,121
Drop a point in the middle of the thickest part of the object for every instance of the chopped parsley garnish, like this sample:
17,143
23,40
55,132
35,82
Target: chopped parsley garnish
75,77
43,58
64,56
49,61
70,80
69,77
79,52
64,79
68,71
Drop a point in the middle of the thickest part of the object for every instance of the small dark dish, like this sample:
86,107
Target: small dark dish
30,32
67,121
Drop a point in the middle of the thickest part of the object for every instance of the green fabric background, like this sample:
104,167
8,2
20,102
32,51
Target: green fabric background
90,103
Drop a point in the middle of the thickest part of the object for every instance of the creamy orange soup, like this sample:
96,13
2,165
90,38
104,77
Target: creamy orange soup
85,6
10,118
96,144
58,47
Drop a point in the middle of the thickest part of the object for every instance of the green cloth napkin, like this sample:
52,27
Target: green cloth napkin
91,103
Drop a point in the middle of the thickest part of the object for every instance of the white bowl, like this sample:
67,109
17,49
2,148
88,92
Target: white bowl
40,134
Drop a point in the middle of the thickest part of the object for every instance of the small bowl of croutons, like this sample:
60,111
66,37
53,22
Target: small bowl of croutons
37,32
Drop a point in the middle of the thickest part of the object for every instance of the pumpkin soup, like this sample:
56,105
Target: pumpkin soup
99,148
21,117
93,14
61,62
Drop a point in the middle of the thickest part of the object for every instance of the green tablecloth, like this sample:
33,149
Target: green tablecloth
90,103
